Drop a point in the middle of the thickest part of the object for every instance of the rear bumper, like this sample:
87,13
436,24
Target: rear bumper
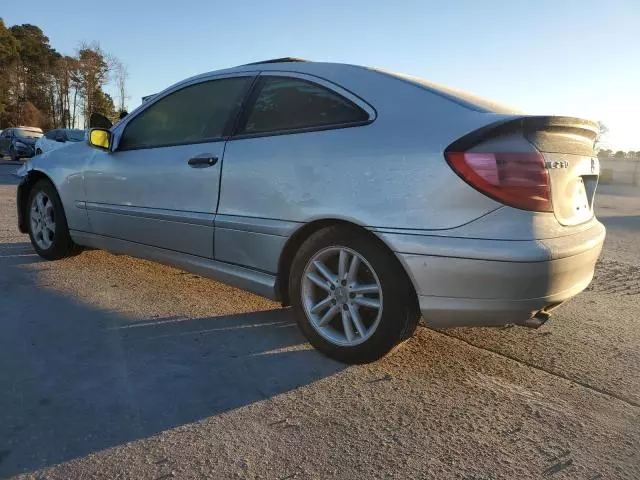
498,282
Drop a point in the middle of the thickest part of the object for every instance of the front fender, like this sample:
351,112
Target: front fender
64,168
29,178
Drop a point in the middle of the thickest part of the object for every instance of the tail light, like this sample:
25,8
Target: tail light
519,180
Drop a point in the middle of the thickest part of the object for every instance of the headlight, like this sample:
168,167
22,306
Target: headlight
21,144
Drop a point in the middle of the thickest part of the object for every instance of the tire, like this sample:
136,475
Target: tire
379,279
38,152
48,219
14,155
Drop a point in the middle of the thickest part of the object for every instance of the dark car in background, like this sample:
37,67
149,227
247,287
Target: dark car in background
58,137
19,142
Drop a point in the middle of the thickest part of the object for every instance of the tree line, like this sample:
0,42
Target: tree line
619,155
40,87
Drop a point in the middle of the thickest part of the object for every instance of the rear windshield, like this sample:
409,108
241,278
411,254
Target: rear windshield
468,100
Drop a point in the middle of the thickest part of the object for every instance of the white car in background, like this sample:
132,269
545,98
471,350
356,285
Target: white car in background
59,137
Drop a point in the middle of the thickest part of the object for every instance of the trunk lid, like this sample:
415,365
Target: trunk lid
567,147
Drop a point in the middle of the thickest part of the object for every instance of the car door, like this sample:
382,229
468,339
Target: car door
295,133
159,184
5,138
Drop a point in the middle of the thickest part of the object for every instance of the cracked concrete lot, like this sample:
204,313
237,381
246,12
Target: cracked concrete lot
117,368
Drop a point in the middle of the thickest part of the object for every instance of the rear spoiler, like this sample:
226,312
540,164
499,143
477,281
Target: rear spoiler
550,134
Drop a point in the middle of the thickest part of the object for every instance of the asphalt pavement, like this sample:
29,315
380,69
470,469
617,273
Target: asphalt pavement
113,367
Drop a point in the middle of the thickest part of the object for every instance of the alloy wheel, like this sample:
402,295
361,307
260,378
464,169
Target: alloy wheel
42,217
342,296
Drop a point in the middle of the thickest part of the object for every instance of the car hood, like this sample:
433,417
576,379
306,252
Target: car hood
70,160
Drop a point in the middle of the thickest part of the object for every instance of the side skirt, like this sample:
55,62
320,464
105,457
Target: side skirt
254,281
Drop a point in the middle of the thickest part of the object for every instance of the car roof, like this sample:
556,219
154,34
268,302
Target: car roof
277,60
300,65
291,64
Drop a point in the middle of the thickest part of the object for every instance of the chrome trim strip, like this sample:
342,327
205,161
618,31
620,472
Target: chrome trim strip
269,226
180,216
247,279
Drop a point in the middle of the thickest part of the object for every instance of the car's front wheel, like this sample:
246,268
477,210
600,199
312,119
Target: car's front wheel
47,223
38,151
352,299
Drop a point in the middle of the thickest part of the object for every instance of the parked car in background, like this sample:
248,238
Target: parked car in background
19,142
362,198
59,137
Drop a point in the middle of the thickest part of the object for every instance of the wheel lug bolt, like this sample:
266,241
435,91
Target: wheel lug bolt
344,282
333,287
333,302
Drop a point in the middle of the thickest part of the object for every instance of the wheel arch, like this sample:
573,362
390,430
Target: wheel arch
25,186
299,236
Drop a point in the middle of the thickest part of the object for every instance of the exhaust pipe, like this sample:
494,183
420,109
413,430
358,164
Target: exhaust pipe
539,319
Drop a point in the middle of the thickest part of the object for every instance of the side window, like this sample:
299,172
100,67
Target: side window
61,136
191,115
290,103
51,134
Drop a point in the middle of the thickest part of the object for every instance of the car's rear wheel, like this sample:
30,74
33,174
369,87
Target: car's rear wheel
351,297
47,223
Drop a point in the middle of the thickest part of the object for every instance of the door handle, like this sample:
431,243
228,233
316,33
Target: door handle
202,161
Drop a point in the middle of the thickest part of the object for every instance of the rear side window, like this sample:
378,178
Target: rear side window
291,104
194,114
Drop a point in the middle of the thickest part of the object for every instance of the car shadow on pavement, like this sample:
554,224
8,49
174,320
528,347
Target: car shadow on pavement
76,379
7,170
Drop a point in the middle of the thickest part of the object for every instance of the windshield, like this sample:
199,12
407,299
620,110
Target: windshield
75,135
24,133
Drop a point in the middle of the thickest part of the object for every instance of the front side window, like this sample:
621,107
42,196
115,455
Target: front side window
290,104
194,114
51,134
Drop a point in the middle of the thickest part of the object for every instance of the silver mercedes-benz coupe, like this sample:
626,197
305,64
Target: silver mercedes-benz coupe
362,198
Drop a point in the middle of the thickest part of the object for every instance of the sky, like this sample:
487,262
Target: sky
565,57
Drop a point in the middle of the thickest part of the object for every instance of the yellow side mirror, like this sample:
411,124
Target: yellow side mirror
100,138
